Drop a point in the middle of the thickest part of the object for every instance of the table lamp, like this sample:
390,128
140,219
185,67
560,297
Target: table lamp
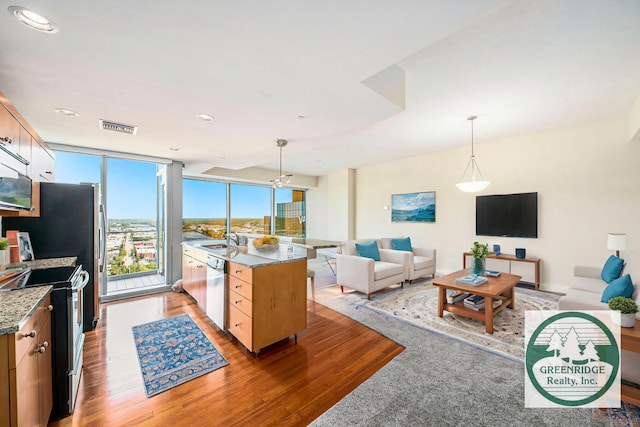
616,242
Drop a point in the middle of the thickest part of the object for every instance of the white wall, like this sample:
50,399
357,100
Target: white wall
588,183
317,200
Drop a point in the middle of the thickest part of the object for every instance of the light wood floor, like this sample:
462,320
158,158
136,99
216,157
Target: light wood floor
289,384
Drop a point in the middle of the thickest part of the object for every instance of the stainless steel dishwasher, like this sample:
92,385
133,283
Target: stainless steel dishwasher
217,290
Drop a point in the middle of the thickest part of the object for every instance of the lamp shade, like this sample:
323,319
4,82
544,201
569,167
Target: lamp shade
616,241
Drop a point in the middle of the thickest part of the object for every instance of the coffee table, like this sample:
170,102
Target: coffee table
501,288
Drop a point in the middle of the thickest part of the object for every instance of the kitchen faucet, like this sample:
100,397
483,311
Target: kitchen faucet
232,237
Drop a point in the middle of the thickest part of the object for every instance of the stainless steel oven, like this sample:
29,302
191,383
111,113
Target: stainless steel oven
66,330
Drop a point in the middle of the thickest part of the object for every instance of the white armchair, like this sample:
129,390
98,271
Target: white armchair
421,261
366,275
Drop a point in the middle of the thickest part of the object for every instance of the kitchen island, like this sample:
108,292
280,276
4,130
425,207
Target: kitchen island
265,289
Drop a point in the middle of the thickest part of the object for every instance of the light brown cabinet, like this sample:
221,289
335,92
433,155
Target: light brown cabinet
194,275
266,304
26,395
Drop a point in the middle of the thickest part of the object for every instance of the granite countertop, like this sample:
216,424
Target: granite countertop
16,306
43,263
247,256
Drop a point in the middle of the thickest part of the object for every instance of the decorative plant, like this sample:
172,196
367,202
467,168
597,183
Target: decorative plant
624,304
4,243
479,250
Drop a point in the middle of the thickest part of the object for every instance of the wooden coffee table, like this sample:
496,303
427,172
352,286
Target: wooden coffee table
501,287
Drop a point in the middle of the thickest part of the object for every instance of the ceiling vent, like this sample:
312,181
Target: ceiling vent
118,127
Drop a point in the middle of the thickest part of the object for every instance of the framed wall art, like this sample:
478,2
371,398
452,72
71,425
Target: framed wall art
414,207
24,247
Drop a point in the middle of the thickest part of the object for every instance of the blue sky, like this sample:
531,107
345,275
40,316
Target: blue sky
412,201
132,190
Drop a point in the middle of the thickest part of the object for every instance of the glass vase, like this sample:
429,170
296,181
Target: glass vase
478,267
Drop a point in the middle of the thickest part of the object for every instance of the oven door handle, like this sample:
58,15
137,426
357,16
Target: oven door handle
83,282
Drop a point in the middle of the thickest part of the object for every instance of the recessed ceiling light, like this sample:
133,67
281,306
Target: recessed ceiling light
301,117
174,149
33,20
204,117
66,112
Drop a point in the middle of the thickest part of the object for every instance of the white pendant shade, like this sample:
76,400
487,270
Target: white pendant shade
472,184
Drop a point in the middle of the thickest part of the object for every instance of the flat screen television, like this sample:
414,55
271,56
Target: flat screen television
507,215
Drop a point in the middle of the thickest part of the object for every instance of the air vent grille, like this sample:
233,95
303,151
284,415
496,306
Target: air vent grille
118,127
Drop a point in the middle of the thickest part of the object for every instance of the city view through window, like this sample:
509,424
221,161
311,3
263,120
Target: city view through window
204,210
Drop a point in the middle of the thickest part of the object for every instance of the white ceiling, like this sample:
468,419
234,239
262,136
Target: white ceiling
521,66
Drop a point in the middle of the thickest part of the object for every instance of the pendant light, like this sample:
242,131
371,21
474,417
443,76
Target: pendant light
283,178
472,185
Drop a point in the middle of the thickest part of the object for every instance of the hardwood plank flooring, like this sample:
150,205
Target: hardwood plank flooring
288,384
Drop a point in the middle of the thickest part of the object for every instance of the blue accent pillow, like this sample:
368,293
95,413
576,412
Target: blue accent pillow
620,287
368,250
612,269
401,244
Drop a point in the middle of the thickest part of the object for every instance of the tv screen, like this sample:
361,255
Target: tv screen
508,215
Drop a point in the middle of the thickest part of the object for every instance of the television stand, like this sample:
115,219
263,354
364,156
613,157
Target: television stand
512,259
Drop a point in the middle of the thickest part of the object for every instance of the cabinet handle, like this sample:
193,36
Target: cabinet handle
50,307
48,172
6,139
41,349
238,271
45,344
31,334
237,324
238,302
237,286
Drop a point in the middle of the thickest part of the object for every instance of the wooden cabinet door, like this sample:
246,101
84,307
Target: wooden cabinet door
187,273
45,374
25,380
200,283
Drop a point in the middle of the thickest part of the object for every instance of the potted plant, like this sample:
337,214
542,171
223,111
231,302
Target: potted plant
479,253
4,251
623,311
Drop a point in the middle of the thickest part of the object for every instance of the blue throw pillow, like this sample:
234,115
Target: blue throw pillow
368,250
401,244
621,287
612,269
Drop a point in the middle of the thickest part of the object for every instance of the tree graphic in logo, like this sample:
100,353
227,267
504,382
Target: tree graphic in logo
572,358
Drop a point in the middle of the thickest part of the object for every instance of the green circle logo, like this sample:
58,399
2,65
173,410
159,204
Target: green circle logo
572,358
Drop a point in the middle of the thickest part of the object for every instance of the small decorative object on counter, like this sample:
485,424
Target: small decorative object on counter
496,249
5,257
479,252
267,243
521,253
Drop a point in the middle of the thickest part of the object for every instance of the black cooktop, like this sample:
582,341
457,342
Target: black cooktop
59,277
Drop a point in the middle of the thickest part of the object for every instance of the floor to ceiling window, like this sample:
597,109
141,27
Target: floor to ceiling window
250,209
207,212
134,218
291,213
204,209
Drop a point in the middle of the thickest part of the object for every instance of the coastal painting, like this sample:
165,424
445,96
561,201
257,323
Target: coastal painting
414,207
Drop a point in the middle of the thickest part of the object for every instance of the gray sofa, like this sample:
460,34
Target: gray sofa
585,293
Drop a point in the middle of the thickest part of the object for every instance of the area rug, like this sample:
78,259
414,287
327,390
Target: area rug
419,305
173,351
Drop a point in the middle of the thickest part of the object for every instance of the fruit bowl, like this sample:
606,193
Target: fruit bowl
267,247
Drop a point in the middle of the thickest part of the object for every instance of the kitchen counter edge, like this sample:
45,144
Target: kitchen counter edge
249,260
18,305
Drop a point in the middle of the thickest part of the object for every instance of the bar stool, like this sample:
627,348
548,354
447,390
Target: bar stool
311,275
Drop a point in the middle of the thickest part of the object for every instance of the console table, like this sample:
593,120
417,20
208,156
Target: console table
630,341
511,259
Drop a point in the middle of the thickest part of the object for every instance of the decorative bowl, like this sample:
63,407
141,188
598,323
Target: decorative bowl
267,248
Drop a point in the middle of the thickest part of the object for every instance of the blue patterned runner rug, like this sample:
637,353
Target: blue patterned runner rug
173,351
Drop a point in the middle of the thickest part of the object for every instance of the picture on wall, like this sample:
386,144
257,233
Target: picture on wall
414,207
24,247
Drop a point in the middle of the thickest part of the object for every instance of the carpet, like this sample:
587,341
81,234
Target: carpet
443,381
419,305
173,351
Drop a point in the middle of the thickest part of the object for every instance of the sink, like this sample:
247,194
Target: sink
216,246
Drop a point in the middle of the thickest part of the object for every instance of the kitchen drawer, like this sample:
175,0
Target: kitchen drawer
241,272
35,322
240,286
238,301
241,327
